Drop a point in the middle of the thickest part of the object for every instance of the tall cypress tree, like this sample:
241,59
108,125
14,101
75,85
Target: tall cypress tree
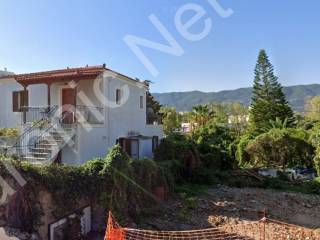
268,100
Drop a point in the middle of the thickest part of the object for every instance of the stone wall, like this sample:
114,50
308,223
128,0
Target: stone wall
16,212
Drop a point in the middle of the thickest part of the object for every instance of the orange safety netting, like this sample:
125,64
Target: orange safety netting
265,229
115,232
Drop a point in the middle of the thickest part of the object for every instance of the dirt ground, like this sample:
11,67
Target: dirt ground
220,206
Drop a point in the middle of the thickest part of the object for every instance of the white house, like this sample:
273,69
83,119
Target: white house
75,114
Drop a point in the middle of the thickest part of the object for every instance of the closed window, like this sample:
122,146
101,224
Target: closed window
141,101
20,99
118,96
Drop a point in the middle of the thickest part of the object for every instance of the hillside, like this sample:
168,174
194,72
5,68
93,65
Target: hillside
184,101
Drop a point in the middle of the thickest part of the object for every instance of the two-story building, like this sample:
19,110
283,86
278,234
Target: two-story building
73,115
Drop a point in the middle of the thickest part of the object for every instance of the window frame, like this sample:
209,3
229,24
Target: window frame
141,102
118,96
20,99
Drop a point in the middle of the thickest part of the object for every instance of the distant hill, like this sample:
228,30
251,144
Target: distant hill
184,101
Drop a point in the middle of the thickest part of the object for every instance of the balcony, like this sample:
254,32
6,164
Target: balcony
77,114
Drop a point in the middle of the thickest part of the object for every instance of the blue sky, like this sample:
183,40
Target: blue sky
40,35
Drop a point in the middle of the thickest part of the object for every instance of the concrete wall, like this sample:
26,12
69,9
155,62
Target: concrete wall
37,98
96,139
120,120
8,119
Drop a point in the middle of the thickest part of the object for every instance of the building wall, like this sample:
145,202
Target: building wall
120,120
37,98
8,118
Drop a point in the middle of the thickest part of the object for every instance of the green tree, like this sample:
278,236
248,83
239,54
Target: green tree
268,99
312,108
202,114
220,112
153,109
280,148
171,120
213,142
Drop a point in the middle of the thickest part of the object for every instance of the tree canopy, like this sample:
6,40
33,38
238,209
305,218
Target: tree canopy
313,108
280,148
268,99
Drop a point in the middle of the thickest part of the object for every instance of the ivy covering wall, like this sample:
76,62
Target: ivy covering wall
114,183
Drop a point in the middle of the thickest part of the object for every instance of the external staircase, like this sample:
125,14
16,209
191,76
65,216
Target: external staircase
43,141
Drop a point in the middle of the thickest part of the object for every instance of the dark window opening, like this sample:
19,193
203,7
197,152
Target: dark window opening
118,96
20,99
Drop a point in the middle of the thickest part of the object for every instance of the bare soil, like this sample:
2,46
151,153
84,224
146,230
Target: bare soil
223,205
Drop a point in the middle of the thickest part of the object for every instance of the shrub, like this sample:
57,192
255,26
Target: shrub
9,132
279,148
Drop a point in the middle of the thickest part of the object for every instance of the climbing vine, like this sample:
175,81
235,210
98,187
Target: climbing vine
111,182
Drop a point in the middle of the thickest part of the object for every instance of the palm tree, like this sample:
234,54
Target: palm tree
276,124
202,114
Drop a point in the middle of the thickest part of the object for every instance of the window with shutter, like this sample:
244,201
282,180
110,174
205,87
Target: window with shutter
15,102
24,99
20,99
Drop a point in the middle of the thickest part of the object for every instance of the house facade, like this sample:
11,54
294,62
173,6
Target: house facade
76,114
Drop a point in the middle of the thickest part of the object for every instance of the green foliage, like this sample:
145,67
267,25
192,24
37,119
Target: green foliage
171,120
172,146
153,109
241,155
313,108
279,148
110,182
180,154
314,138
202,114
268,99
213,142
9,132
189,157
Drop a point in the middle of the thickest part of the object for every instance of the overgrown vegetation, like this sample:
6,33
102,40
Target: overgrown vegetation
9,132
230,136
221,141
109,182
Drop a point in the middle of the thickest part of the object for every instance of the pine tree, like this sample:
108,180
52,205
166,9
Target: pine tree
268,100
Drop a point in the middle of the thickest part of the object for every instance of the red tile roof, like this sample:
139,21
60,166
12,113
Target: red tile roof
63,74
68,74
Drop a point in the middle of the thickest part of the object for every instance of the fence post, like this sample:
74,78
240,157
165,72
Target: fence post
263,230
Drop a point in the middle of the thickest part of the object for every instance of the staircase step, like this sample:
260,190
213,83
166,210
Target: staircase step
46,145
62,131
48,150
49,141
40,154
31,158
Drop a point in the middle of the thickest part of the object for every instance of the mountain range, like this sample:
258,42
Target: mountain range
184,101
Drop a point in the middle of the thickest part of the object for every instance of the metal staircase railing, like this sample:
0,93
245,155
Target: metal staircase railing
51,131
37,143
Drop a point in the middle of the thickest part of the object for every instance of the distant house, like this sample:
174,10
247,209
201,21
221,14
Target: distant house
75,114
187,127
238,119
